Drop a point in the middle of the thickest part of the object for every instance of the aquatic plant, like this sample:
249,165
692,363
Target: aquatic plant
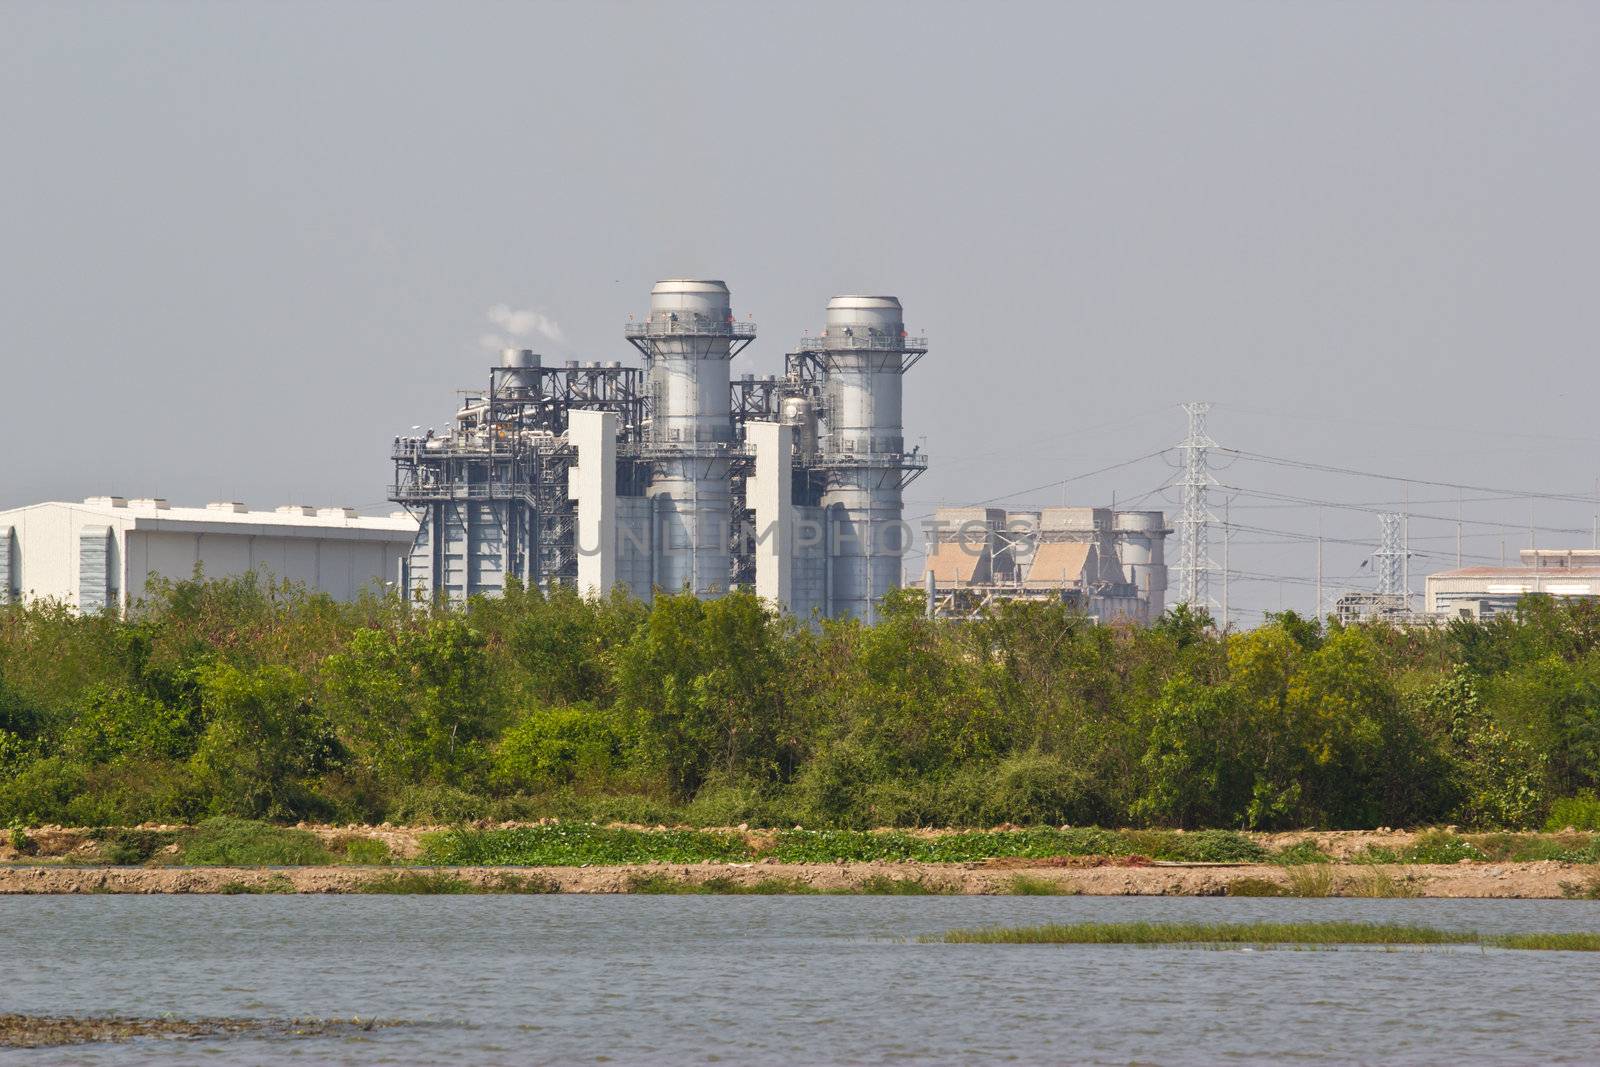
569,845
1259,934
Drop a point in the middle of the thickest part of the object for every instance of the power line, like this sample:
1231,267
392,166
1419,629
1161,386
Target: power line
1587,498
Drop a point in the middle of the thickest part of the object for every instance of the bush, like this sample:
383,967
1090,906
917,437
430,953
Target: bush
41,792
1581,812
553,747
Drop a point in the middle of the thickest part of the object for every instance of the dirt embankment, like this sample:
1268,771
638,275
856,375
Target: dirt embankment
71,860
1505,880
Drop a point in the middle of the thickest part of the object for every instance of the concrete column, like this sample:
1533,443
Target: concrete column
769,493
594,486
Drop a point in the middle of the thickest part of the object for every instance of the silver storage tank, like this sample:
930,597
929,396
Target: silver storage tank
522,369
864,348
688,341
1141,538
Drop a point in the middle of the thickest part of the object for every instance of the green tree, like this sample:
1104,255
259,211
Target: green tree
703,682
264,744
117,722
415,704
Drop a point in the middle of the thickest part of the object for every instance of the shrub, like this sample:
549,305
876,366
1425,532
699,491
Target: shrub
555,746
1581,812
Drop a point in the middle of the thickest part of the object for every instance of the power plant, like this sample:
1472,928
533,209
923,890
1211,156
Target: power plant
677,476
1110,565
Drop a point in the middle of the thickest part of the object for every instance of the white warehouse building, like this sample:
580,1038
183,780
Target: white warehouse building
103,551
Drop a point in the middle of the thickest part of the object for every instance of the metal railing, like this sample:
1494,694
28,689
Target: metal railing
691,326
862,341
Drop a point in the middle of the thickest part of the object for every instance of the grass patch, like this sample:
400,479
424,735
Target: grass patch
1256,887
1379,883
883,885
1311,880
666,885
443,883
228,842
576,845
1441,846
362,851
1027,885
275,884
1259,934
1573,942
1299,854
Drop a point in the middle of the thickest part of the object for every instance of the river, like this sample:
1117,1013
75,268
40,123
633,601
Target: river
783,980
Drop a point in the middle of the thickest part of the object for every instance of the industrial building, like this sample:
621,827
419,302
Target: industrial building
1485,592
677,475
102,552
1111,565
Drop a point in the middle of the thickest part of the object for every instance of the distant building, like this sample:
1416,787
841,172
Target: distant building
1484,592
101,552
1108,564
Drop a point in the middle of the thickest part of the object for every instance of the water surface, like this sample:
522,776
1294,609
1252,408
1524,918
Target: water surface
775,980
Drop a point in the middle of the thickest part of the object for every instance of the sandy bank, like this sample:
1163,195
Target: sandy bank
1546,880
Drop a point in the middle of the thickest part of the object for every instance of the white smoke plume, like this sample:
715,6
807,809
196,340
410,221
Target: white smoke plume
519,323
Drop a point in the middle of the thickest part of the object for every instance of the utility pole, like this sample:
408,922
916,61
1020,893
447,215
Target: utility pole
1227,541
1195,565
1405,545
1319,566
1386,561
1458,528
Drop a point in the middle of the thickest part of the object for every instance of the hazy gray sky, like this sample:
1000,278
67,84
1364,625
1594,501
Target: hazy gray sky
246,244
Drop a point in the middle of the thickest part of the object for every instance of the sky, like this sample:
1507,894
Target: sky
247,244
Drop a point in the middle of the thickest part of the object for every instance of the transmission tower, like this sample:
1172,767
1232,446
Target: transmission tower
1195,565
1386,562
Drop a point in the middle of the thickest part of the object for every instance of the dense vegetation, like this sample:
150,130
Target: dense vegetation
239,698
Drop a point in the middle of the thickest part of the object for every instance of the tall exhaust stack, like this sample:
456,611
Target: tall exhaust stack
864,352
688,341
